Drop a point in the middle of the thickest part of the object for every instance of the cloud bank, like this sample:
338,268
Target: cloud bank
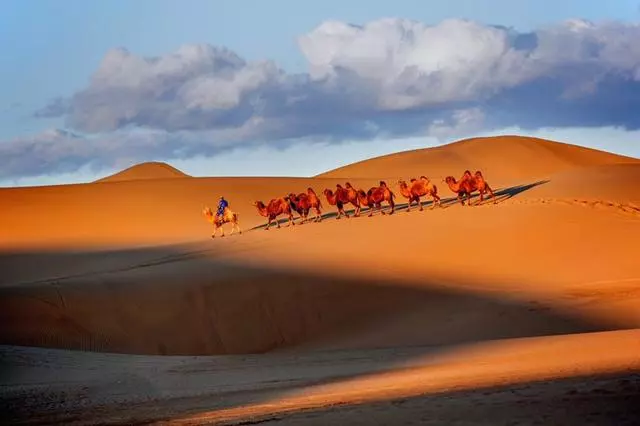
390,78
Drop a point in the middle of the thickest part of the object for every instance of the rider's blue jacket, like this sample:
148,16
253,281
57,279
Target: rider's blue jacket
221,206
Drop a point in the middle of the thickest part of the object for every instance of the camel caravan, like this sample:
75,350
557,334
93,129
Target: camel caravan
303,203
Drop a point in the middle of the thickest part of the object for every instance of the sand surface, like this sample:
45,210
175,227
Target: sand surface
116,306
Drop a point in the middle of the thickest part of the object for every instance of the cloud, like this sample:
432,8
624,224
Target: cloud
389,78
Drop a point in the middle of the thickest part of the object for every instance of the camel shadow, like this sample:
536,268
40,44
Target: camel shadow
501,195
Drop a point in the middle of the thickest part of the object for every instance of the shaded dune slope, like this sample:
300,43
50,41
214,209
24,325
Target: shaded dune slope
202,307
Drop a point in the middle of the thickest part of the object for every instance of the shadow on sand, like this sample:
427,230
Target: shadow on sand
187,305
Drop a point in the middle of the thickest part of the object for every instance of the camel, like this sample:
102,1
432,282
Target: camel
302,203
419,188
227,217
275,208
375,196
316,204
462,187
482,186
468,184
343,196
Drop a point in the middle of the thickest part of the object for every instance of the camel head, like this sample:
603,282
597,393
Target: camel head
258,204
478,174
449,180
383,184
207,211
327,192
310,190
348,185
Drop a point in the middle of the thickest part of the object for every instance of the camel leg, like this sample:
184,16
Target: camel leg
420,204
409,205
290,221
460,199
393,206
381,208
492,194
436,199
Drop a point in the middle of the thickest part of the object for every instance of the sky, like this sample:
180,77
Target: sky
251,87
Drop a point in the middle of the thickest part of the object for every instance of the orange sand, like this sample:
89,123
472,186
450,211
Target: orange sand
546,282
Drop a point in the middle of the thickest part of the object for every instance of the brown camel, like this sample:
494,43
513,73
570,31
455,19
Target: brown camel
275,208
419,188
227,217
340,197
462,187
481,185
376,196
316,204
302,204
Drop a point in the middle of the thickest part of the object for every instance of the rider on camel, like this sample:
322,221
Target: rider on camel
222,205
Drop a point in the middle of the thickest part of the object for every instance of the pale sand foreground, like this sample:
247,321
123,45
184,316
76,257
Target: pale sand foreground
378,314
508,382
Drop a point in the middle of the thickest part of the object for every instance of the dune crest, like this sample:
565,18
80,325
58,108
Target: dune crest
148,170
506,158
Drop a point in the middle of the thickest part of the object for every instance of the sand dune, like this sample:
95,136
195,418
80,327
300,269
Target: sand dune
506,159
127,266
149,170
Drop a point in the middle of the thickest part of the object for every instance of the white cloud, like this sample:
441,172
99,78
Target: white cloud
391,78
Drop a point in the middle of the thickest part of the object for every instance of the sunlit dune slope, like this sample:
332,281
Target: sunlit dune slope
503,158
149,170
150,211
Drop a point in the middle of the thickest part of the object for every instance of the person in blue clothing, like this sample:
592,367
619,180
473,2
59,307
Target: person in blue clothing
222,204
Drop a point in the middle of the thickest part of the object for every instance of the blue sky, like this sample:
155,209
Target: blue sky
56,46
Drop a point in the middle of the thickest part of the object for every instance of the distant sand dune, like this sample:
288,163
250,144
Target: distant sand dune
150,170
